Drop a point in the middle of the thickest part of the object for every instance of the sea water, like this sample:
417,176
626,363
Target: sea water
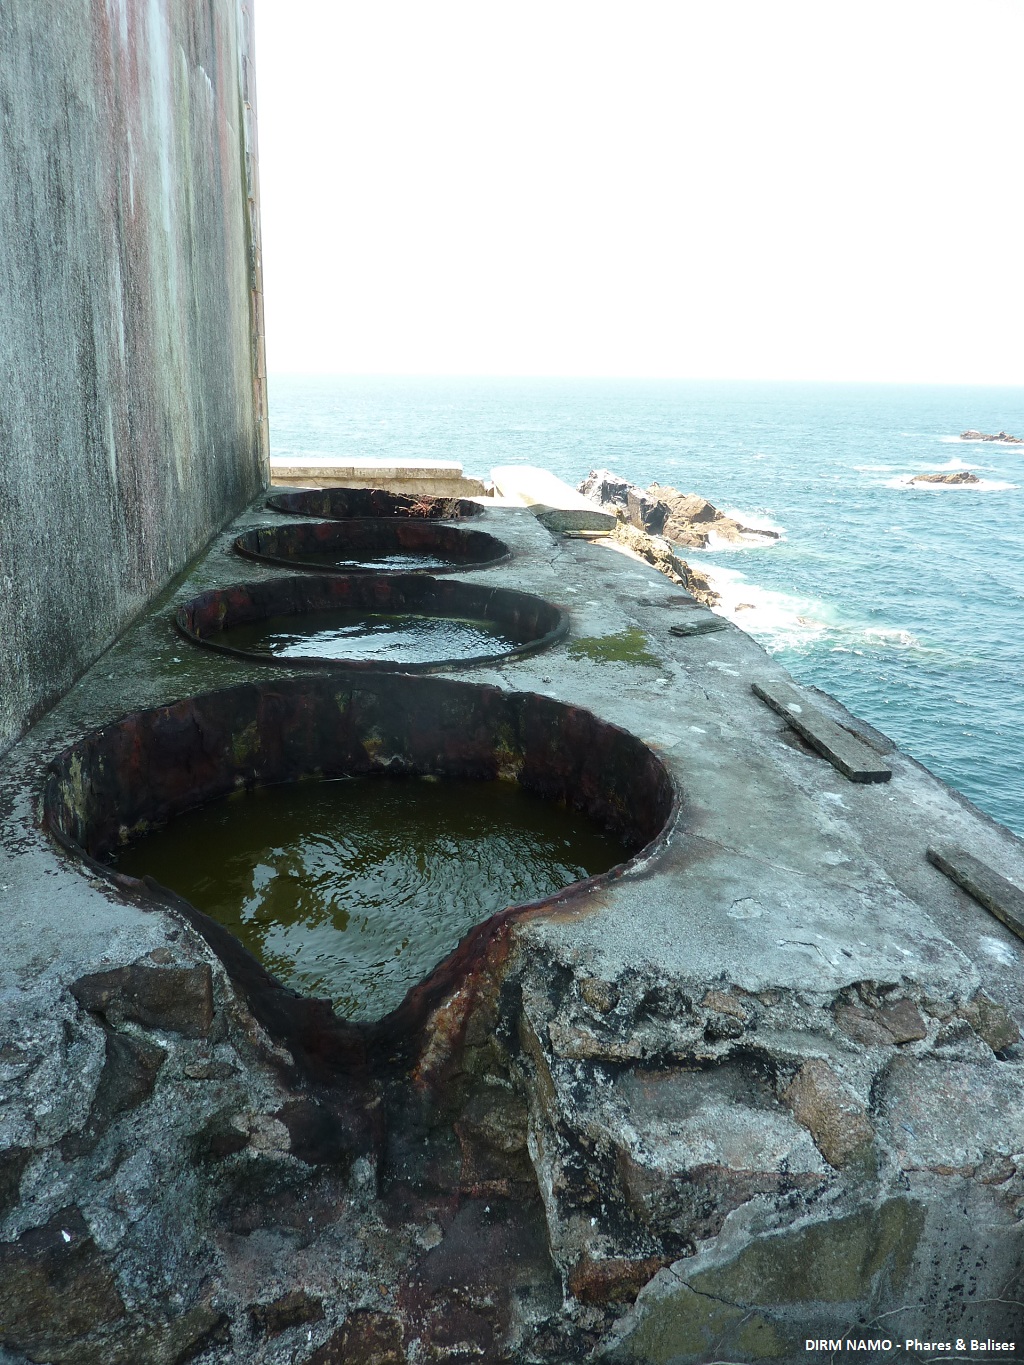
355,889
905,602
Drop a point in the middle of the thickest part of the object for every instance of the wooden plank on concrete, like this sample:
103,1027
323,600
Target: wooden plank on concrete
844,751
554,503
702,624
999,896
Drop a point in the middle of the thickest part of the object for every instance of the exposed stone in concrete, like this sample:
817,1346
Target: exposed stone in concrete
902,1019
833,1116
287,1311
949,1117
615,1280
599,995
699,625
755,1305
54,1287
129,1074
176,998
367,1338
12,1166
990,1021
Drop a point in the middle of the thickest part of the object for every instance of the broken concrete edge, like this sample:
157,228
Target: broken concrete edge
998,896
850,755
855,1116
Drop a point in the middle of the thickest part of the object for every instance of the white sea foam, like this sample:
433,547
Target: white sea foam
757,521
783,620
954,463
874,468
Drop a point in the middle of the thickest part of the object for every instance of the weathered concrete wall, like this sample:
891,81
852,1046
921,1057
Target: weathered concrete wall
133,418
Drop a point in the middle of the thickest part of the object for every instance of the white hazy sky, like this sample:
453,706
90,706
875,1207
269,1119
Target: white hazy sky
762,189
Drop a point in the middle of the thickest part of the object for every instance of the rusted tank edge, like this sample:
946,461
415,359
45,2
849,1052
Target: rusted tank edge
473,549
215,609
328,1050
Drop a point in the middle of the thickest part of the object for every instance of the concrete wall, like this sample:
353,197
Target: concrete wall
132,395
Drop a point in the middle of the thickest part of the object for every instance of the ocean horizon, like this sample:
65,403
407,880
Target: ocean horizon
906,602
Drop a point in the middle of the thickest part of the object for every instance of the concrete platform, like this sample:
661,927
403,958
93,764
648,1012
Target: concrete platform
765,1085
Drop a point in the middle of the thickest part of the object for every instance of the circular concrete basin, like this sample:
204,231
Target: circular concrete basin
206,755
408,623
369,545
343,503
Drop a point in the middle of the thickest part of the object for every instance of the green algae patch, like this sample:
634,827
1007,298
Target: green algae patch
745,1308
246,743
834,1262
628,647
687,1326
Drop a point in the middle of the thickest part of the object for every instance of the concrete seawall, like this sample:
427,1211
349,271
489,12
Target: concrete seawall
133,421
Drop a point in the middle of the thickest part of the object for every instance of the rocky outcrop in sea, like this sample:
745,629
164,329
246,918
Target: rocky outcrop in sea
952,476
999,436
660,510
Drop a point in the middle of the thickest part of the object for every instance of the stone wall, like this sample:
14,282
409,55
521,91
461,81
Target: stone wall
132,424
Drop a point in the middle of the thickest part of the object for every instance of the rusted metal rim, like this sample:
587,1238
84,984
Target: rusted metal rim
293,544
342,503
149,766
522,616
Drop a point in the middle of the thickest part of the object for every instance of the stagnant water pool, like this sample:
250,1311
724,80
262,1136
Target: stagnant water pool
345,633
356,888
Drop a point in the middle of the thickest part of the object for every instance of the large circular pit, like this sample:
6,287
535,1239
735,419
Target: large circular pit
392,622
370,545
495,801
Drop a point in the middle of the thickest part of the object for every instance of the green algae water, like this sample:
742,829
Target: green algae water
355,889
345,633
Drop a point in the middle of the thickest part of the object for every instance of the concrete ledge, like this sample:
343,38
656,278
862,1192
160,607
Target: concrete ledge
555,505
999,897
435,478
853,758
